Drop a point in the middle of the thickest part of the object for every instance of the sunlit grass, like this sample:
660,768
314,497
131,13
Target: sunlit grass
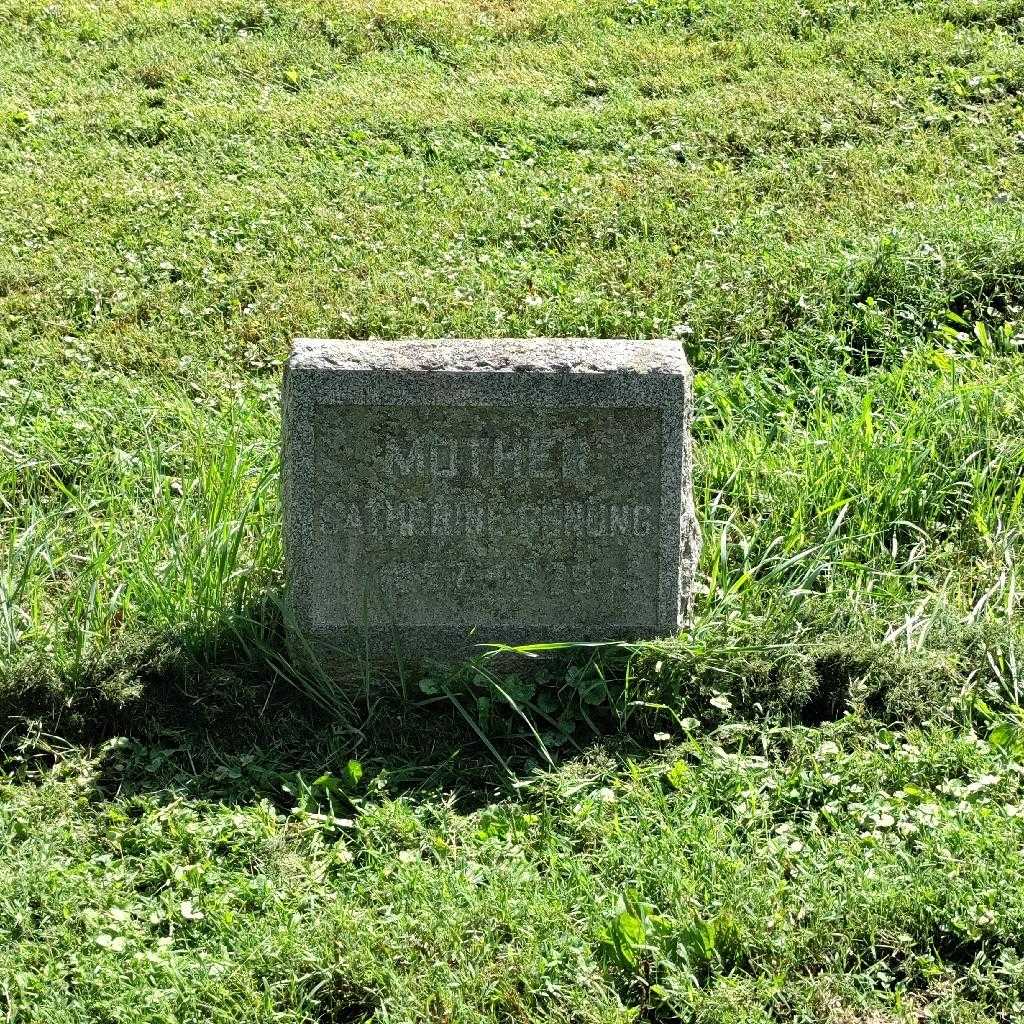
805,807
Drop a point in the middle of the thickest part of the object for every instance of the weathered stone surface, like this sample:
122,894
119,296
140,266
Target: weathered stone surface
441,494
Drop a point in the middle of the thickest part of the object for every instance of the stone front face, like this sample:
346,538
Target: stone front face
488,517
501,501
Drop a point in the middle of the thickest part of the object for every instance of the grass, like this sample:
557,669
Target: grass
808,806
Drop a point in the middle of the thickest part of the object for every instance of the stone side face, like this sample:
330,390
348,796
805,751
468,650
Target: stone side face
443,494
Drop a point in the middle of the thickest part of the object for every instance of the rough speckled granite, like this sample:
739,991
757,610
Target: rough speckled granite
441,494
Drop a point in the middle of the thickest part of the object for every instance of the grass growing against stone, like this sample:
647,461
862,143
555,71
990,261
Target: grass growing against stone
806,808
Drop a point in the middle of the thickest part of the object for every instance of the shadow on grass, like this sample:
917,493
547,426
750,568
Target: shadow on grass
222,714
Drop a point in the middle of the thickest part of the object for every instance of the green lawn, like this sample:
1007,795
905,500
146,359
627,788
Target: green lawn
810,806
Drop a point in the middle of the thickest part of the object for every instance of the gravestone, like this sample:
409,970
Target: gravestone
443,494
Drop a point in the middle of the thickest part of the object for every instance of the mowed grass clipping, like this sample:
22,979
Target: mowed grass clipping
807,807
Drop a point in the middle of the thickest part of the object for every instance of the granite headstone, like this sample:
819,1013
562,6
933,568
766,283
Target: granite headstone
443,494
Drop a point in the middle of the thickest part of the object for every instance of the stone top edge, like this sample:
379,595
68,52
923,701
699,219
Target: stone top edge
492,355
